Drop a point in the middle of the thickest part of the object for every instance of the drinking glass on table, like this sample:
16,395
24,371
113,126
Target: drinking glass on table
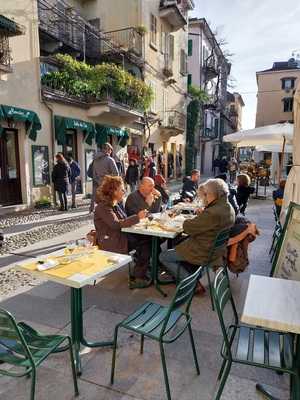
71,246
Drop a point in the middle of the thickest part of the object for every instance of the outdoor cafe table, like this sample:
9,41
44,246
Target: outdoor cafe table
85,270
274,304
156,233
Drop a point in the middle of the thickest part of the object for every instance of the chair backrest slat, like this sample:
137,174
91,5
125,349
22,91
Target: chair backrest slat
222,295
183,296
219,243
11,339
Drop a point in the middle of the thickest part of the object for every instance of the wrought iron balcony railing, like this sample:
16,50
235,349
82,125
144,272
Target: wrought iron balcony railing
173,119
60,23
125,40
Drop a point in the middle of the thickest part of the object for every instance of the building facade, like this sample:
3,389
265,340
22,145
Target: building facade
148,39
275,91
234,108
208,69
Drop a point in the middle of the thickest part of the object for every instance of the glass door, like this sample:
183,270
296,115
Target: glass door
10,182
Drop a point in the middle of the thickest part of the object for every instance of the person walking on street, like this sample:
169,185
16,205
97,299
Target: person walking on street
74,175
233,169
60,178
223,166
102,165
132,175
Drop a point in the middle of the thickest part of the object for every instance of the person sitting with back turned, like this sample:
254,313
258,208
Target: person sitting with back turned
217,215
278,196
190,185
160,185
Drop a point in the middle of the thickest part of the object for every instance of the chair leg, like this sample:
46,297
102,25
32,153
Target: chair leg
222,369
73,367
112,375
142,344
210,289
194,349
223,380
164,365
33,383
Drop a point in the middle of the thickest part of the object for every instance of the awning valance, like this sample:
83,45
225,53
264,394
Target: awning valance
30,118
103,131
62,124
10,27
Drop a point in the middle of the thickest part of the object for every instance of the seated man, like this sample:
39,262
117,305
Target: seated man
278,196
217,215
190,185
145,198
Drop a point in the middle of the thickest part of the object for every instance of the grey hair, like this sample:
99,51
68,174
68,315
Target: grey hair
217,186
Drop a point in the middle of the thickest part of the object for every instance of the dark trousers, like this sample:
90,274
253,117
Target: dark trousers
142,246
63,200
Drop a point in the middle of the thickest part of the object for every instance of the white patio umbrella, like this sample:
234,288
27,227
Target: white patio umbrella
277,134
292,187
274,148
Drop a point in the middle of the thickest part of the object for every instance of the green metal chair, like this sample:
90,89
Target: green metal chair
157,322
219,244
25,349
245,344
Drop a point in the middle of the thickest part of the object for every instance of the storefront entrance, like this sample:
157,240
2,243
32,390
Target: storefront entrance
10,182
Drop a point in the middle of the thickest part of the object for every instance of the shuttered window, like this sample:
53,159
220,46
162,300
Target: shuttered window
190,47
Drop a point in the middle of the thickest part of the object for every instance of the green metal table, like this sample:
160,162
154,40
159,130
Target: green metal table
155,235
87,275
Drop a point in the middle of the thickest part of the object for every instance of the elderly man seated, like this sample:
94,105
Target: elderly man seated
216,215
145,198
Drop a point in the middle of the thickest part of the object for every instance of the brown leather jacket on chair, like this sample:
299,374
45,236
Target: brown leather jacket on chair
109,220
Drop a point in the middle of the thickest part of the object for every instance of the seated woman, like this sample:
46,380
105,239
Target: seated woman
243,191
216,215
110,218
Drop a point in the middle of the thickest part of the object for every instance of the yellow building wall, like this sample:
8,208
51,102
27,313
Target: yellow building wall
270,95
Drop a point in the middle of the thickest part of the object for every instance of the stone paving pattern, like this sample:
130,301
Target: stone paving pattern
139,377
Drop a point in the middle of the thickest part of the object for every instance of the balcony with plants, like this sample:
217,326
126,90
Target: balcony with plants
103,88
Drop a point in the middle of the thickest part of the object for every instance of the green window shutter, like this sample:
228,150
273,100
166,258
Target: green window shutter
189,80
190,47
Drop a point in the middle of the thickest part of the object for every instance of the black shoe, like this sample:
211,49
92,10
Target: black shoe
73,206
61,209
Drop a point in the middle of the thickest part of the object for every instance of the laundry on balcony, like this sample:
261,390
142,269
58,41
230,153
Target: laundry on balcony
62,124
13,114
103,131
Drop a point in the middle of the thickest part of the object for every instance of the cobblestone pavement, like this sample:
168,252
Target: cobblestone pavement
139,377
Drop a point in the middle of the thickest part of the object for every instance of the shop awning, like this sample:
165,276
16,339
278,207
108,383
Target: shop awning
103,131
10,27
30,118
62,124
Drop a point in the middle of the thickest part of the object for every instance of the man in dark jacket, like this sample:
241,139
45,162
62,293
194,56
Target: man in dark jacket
74,174
190,185
103,164
132,175
232,194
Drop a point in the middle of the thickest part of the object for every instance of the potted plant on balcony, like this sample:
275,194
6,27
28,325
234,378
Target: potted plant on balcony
141,29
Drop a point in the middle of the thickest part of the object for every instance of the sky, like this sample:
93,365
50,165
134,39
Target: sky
258,33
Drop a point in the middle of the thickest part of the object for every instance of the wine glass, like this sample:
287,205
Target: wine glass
71,245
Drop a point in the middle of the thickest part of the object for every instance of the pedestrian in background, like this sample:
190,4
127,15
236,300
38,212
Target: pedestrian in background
233,169
132,175
60,178
74,175
223,166
243,191
161,186
102,165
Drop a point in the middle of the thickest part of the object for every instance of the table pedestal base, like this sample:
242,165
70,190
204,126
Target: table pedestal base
77,328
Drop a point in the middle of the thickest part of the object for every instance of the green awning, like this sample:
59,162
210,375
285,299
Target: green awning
62,124
103,131
30,118
10,27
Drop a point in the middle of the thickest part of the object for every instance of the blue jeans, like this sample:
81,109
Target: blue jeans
171,260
